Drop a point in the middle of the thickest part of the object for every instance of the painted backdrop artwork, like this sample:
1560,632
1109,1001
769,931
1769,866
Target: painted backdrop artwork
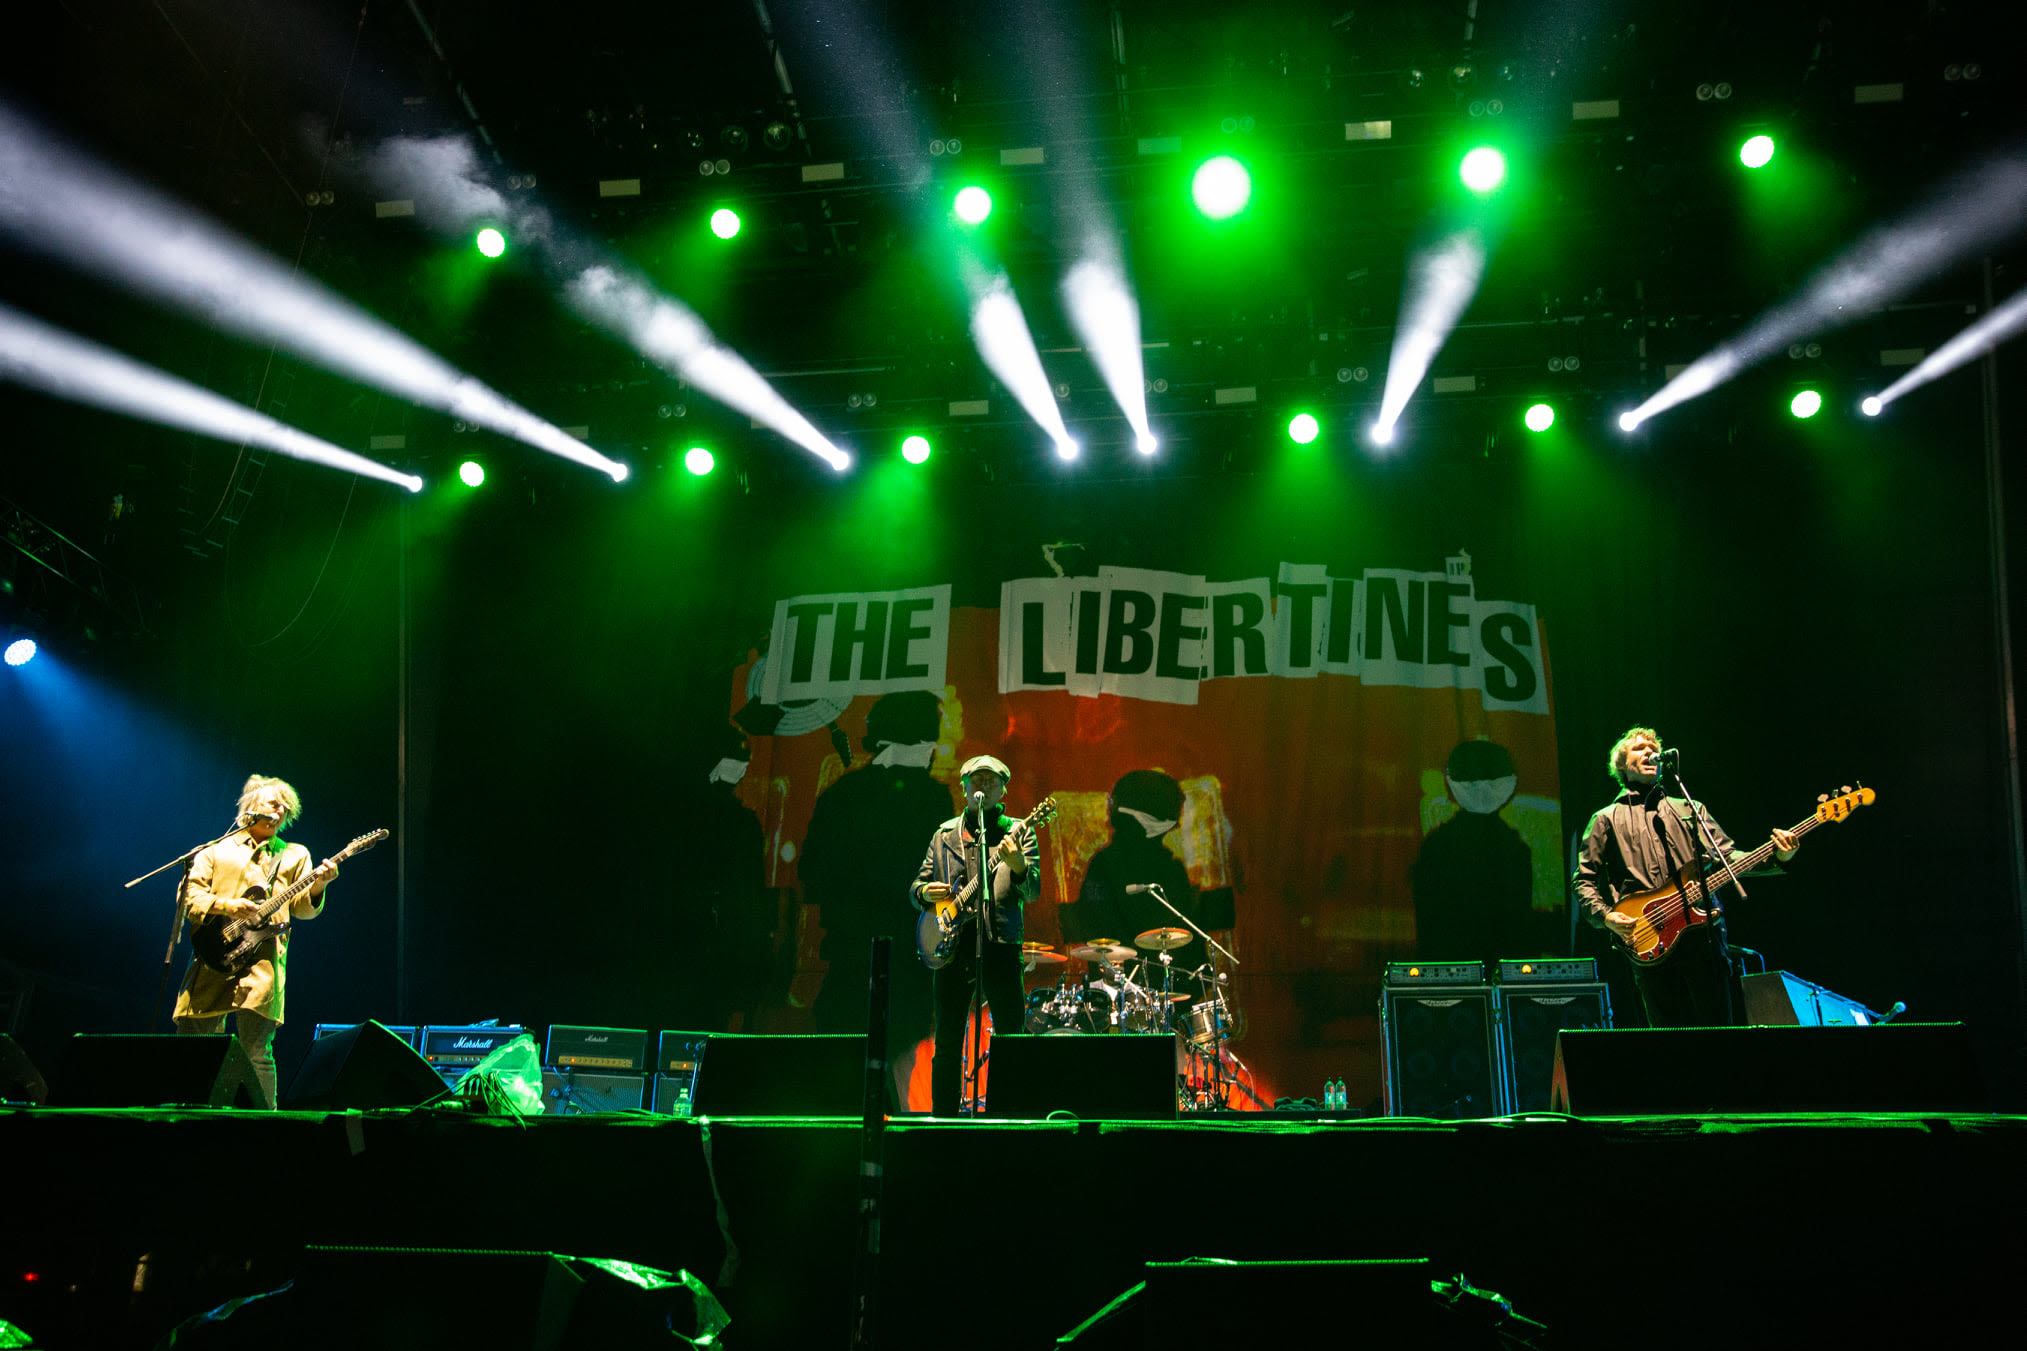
1282,749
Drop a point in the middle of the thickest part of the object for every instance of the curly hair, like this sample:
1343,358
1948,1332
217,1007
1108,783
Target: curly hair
1616,765
257,784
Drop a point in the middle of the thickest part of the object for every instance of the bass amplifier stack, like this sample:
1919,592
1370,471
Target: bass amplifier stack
1462,1042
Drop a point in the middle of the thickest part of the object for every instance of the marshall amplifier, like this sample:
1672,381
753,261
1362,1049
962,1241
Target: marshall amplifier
1444,1051
618,1049
405,1032
679,1057
454,1050
571,1092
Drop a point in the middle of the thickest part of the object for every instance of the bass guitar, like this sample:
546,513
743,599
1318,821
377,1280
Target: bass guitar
232,946
1663,915
936,928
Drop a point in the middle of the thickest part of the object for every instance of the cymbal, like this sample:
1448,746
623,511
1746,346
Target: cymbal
1162,940
1103,951
1041,954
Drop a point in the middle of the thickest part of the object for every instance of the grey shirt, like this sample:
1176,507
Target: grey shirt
1639,842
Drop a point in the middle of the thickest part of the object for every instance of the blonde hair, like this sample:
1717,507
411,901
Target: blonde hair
1616,766
257,784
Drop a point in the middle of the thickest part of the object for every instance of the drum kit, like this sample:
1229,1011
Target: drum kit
1123,991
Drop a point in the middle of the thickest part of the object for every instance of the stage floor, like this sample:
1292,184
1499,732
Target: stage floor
1653,1231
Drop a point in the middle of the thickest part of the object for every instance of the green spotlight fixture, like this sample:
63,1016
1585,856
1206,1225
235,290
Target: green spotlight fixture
725,222
1540,418
1482,169
915,450
1757,152
972,204
699,461
1221,187
1806,404
491,242
471,473
1303,428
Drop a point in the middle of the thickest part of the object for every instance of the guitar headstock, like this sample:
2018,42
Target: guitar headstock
1044,812
361,844
1846,801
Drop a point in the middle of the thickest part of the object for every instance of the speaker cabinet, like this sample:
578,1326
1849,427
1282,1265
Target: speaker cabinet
1532,1016
741,1075
1444,1053
583,1092
156,1070
1117,1078
1902,1067
20,1081
363,1067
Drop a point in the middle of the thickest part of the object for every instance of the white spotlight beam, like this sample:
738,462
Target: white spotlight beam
1441,282
443,178
1107,318
56,200
1999,324
69,367
1001,332
1970,216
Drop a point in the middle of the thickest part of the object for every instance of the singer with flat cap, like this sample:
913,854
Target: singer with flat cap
1639,842
221,876
1014,860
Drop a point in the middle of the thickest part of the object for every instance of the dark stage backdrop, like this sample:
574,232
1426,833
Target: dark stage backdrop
1796,605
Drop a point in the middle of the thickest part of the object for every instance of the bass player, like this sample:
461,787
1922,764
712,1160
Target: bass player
221,877
1641,841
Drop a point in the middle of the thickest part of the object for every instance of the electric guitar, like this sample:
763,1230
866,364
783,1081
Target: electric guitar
1663,915
936,928
232,946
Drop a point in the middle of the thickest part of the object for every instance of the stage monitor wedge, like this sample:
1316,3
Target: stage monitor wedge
105,1069
363,1068
1901,1067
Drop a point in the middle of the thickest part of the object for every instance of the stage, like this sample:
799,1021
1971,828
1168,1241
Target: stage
1662,1230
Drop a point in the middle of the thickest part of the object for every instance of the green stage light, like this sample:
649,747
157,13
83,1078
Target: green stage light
915,450
1756,152
724,222
972,204
1303,428
472,473
699,461
491,242
1221,187
1806,404
1483,169
1540,418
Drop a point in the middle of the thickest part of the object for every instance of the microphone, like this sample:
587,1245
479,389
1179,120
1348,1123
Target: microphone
1671,760
1139,888
978,799
1892,1013
252,817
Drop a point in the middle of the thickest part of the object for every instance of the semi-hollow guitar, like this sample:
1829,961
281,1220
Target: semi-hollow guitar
1663,915
232,946
936,928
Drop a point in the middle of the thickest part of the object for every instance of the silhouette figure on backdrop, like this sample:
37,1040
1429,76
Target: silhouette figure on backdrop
1473,880
859,858
1142,808
723,916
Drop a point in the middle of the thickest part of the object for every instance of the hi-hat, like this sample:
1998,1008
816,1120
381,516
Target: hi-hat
1162,940
1041,954
1102,950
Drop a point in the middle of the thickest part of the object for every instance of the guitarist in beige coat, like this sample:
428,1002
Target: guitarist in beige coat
221,877
1639,842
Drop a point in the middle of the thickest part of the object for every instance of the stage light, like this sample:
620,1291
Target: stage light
972,204
1303,428
1441,282
1872,407
1483,169
1986,332
472,473
1007,346
1221,187
725,222
1628,421
699,461
1067,450
1146,444
915,449
620,471
1806,404
1540,418
40,357
1757,152
491,242
1382,434
1107,318
20,652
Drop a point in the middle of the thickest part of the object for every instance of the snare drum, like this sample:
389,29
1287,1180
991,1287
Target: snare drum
1206,1025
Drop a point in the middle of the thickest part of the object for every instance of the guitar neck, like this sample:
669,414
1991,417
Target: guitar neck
1766,851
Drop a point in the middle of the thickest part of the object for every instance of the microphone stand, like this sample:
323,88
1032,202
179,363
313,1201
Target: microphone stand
184,861
1217,1006
1706,847
978,922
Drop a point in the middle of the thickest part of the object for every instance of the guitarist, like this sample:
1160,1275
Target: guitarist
947,868
220,877
1639,842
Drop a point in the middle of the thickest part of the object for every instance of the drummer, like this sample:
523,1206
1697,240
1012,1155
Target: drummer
1143,807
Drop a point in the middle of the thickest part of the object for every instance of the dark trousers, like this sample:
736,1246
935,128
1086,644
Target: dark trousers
1693,987
1002,987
